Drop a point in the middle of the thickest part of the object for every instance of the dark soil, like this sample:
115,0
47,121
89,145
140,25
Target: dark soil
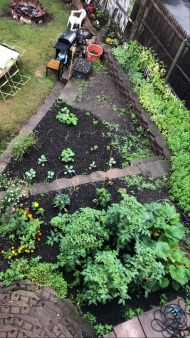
54,136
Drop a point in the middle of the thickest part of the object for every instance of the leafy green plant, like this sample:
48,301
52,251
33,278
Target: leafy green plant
97,66
106,278
85,228
163,299
39,273
69,169
111,162
30,174
60,201
67,155
95,122
94,148
65,116
168,112
130,313
22,144
102,197
50,175
92,165
127,247
120,111
101,99
19,225
102,330
42,160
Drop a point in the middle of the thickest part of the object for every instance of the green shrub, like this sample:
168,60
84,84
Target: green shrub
128,246
168,112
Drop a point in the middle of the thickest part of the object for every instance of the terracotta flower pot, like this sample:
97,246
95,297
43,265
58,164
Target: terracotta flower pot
94,52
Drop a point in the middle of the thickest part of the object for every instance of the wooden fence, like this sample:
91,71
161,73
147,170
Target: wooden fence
155,27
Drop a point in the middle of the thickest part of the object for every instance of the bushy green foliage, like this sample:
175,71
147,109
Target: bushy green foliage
67,155
60,201
128,246
19,225
168,112
105,278
65,116
37,272
83,233
102,197
22,144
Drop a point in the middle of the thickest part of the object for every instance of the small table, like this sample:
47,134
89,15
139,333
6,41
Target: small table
55,65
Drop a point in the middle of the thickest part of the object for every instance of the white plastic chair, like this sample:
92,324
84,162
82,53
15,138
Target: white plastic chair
76,20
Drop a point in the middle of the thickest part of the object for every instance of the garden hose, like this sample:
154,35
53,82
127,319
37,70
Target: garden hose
171,320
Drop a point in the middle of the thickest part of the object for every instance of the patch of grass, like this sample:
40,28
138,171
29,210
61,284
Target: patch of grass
37,41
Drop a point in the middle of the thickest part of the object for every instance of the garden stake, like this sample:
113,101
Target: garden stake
73,49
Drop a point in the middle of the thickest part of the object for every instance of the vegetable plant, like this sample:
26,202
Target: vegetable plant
60,201
128,246
102,197
41,160
67,155
69,169
92,165
65,116
30,174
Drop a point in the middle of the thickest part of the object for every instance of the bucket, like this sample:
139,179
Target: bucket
94,52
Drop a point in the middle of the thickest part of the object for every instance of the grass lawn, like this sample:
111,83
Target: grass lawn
38,42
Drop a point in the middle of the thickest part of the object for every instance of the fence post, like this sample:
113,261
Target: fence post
140,16
175,60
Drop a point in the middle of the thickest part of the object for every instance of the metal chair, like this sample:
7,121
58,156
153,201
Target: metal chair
56,66
76,20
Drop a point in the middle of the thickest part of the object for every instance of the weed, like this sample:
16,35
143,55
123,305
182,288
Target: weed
130,313
22,144
101,99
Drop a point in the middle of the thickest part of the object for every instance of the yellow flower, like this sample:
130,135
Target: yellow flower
29,216
2,251
35,204
9,257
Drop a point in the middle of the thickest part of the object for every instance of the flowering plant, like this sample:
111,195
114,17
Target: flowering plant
19,225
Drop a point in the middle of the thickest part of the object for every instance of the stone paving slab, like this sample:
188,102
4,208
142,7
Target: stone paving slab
131,328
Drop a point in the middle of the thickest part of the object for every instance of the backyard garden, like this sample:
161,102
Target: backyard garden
116,247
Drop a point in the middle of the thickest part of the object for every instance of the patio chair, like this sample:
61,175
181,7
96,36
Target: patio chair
76,20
